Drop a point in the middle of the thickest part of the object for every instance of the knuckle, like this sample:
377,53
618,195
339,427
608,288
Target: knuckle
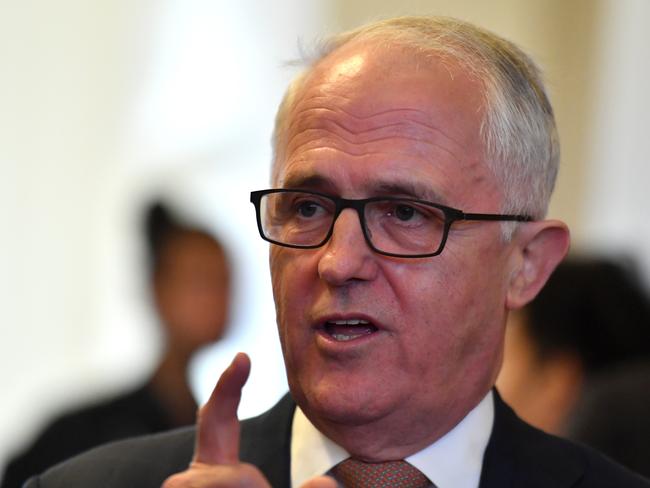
174,481
250,475
240,475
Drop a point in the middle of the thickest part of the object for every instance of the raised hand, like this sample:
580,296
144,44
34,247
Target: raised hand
216,461
216,453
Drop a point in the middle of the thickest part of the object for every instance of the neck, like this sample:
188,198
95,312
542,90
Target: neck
395,436
170,386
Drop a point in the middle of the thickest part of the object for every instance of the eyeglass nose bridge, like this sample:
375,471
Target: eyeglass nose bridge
360,207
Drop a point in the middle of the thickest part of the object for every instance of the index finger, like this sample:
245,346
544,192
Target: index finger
218,426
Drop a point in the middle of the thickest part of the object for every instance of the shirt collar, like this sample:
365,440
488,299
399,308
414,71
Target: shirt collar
455,460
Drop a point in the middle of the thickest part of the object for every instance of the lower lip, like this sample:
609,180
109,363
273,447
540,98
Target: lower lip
328,343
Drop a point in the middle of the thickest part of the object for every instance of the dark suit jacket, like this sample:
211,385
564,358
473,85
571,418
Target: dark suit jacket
517,456
131,414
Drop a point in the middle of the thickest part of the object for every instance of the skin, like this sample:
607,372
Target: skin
368,120
216,463
543,390
191,289
358,127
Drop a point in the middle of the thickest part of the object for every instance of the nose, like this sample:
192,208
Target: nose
346,256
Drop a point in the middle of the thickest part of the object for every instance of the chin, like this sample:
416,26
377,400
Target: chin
346,406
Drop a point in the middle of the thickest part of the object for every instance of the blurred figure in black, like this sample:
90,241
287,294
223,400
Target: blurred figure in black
190,283
577,359
613,415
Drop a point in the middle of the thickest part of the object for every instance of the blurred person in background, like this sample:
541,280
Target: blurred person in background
577,359
190,288
613,415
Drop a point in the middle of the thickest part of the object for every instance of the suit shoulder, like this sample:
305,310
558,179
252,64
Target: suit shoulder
521,455
141,461
590,468
148,460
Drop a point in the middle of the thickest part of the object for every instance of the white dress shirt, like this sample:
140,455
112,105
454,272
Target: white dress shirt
453,461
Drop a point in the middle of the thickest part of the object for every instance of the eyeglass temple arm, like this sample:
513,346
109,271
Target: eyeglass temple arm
496,217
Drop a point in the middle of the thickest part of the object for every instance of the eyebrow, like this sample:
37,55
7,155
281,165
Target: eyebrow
408,189
313,181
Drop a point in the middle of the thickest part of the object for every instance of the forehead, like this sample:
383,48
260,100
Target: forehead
385,110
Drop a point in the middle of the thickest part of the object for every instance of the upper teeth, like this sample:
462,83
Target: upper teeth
350,322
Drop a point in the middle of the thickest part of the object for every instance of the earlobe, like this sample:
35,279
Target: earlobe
541,247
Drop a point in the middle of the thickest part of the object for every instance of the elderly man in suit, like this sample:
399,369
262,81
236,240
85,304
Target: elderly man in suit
413,165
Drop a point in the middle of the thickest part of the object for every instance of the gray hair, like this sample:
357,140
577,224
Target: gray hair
518,130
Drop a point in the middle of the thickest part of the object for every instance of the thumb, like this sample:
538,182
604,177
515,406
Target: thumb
218,426
320,482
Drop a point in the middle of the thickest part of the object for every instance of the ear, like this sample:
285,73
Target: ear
539,248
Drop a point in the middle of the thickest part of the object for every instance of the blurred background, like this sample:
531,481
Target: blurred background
107,104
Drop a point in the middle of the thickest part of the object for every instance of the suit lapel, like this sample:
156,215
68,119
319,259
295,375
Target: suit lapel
520,456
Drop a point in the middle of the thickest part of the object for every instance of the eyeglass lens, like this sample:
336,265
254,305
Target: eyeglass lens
397,226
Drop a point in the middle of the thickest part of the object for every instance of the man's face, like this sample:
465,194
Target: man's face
372,122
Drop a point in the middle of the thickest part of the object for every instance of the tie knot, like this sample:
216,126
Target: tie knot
395,474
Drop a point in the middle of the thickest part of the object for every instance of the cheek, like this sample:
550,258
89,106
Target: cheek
423,308
283,278
292,275
455,313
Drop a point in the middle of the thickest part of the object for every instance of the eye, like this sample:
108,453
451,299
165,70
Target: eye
307,208
404,212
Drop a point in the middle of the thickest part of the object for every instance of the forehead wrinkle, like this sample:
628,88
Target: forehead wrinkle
336,106
321,114
415,116
356,149
321,126
321,102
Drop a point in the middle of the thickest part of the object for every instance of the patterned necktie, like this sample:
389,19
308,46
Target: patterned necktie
392,474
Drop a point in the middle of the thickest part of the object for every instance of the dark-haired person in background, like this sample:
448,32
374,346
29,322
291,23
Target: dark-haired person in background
190,283
577,359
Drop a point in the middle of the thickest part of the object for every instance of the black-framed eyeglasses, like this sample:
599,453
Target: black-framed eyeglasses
393,226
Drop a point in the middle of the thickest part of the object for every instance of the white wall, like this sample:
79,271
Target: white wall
618,177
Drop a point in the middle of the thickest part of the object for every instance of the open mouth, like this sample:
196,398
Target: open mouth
348,330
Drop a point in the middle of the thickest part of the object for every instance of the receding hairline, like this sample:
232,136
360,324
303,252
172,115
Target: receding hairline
518,128
371,42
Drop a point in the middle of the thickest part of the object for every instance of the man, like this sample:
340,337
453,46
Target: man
391,303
